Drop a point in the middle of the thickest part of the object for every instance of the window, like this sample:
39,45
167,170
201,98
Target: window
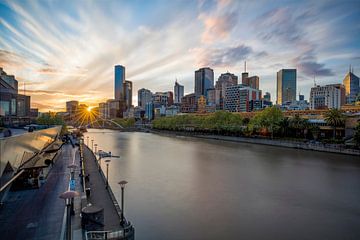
4,108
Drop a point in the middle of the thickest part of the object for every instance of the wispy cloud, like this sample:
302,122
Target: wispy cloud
68,48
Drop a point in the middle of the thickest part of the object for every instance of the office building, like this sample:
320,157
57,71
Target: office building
189,103
286,86
325,97
72,107
225,80
128,94
267,97
14,107
163,98
204,80
149,111
341,87
144,96
238,98
119,82
352,88
211,97
179,92
252,82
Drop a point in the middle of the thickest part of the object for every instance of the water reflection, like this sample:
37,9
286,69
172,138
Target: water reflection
184,188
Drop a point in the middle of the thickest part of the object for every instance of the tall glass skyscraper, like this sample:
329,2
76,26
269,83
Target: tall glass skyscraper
352,88
204,80
119,82
179,92
286,86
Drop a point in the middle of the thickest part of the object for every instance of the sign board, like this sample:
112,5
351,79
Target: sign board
72,185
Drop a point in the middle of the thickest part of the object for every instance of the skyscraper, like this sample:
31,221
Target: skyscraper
204,79
252,82
144,97
352,89
179,92
128,94
119,82
286,86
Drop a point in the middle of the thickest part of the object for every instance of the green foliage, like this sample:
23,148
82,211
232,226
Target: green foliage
49,118
270,119
334,118
125,122
219,122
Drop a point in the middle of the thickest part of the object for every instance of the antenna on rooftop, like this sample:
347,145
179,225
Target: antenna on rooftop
314,81
245,66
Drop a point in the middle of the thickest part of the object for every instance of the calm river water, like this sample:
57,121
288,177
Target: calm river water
186,188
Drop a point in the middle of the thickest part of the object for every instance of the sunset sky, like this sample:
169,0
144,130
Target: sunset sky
66,50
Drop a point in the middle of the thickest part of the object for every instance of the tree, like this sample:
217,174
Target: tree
334,118
270,119
284,125
298,123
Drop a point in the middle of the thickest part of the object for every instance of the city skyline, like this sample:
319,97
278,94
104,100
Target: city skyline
67,51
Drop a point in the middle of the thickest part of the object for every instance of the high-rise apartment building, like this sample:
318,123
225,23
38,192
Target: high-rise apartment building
238,98
119,82
252,82
204,79
352,88
325,97
144,96
179,92
286,86
225,80
128,94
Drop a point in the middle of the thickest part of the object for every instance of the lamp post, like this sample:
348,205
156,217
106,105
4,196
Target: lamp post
92,144
107,172
122,185
95,148
87,140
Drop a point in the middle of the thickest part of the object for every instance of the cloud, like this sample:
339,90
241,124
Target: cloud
281,24
217,27
308,66
218,19
222,57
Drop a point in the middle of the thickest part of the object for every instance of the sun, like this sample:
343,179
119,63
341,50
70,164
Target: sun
89,109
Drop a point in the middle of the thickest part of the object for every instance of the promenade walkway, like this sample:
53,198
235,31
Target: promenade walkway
100,196
38,213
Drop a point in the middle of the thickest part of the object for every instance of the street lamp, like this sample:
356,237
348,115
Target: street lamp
92,144
107,172
95,148
122,185
87,140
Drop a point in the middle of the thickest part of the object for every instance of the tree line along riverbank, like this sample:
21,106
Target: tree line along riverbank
268,124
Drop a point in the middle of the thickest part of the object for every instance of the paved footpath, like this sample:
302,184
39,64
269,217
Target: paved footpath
38,213
99,194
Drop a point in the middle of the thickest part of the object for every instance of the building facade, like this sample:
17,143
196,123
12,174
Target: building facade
252,81
14,107
286,86
352,88
179,92
204,79
144,96
119,82
238,98
325,97
128,94
225,80
189,103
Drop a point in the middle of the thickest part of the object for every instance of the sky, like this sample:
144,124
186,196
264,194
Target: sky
66,50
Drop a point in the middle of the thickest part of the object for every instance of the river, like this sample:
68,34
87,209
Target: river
187,188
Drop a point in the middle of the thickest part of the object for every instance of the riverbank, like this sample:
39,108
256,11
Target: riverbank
331,148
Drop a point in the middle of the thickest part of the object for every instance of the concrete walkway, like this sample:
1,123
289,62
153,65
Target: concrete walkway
100,196
38,213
